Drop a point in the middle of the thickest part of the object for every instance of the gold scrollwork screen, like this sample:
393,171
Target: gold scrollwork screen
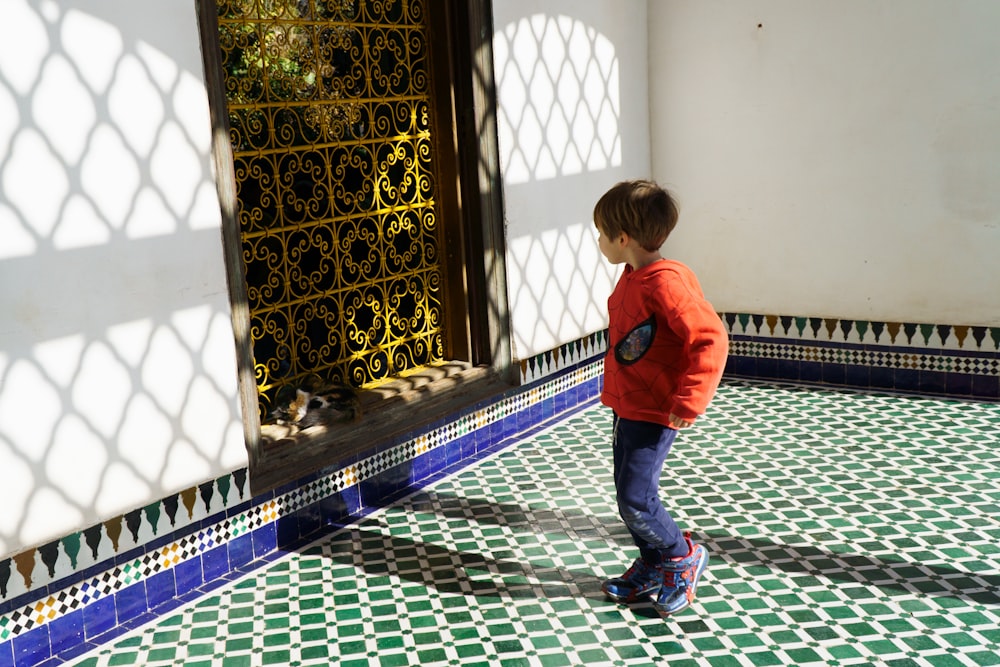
329,105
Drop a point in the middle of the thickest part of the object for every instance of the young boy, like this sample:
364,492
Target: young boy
667,351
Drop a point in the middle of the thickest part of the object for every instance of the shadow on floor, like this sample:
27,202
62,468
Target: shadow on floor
456,572
473,573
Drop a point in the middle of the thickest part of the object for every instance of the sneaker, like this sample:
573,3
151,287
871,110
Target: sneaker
680,580
639,580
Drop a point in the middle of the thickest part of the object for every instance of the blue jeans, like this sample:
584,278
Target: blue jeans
640,448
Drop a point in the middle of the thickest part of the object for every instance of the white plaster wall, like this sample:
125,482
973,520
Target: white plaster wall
117,363
572,121
833,158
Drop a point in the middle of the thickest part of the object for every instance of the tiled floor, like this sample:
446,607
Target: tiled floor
844,528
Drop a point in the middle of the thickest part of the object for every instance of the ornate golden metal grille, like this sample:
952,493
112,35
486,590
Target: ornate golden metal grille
329,108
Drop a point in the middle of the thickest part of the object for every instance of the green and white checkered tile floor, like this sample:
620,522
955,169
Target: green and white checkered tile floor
844,529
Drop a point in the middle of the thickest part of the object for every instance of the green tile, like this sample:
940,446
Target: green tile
195,650
351,647
242,644
470,650
990,657
277,639
358,662
802,656
432,655
389,642
317,653
276,657
554,660
162,654
205,632
844,652
236,661
394,660
747,640
765,658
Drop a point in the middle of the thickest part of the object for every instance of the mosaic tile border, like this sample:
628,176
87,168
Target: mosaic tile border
935,359
940,360
863,332
565,356
73,596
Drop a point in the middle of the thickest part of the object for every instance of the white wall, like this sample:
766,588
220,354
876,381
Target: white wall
572,121
838,160
117,364
833,158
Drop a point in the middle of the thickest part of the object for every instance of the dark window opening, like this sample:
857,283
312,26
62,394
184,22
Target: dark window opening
361,215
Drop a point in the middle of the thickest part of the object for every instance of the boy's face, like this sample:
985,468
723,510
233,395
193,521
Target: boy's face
612,249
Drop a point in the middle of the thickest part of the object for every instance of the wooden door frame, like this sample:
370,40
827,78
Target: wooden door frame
480,185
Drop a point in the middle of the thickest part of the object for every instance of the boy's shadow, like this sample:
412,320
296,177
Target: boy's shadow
448,571
478,574
889,574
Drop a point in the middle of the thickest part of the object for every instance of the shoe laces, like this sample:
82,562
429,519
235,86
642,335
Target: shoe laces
639,568
678,578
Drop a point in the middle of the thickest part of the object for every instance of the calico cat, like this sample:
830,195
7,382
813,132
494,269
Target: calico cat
318,403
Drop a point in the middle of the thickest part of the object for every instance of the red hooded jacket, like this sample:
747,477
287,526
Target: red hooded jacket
667,345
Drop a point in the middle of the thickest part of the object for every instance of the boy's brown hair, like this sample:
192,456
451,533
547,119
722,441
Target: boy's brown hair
642,209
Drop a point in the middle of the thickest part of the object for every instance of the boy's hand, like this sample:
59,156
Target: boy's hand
678,423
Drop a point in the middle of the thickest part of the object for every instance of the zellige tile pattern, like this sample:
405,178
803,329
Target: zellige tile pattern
929,359
844,529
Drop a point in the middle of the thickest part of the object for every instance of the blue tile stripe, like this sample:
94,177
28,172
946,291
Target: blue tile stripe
102,601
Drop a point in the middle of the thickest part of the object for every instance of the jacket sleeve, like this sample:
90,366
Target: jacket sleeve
705,348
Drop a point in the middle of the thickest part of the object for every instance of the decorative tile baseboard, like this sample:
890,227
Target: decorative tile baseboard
563,357
60,599
936,359
904,334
